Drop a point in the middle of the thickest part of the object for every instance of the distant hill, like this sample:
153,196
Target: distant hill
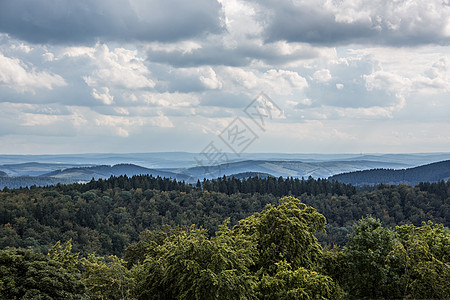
250,174
159,160
96,172
426,173
28,181
185,166
284,168
36,168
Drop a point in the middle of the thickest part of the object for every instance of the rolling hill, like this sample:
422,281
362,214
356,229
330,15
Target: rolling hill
158,160
184,166
28,181
284,168
250,174
427,173
104,171
35,168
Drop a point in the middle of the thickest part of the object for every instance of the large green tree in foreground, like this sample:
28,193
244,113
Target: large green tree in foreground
270,255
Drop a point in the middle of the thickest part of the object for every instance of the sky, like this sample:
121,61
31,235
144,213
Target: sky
206,76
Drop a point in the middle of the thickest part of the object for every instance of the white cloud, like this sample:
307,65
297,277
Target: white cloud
279,81
285,81
161,121
122,132
118,125
103,96
16,75
209,79
78,51
381,22
383,80
310,57
375,112
322,75
184,47
122,111
119,68
22,47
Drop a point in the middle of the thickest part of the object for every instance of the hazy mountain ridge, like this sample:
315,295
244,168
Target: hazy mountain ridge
105,171
28,181
427,173
284,168
35,168
184,166
159,160
250,174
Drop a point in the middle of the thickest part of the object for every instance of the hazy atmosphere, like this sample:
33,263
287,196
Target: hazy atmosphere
141,76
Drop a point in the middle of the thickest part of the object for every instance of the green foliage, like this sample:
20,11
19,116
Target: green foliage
25,274
271,253
289,256
408,263
422,261
105,216
367,274
149,240
285,233
192,266
107,278
64,255
297,284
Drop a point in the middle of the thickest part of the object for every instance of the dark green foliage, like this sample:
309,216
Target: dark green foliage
409,262
367,275
25,274
278,186
105,216
149,240
271,254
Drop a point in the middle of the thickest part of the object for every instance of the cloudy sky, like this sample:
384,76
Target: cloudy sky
349,76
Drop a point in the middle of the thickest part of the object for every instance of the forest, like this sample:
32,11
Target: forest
143,237
426,173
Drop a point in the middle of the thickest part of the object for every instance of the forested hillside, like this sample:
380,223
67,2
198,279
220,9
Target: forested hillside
106,215
24,181
272,254
427,173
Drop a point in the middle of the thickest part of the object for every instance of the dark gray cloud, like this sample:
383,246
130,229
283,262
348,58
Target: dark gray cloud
81,21
216,54
342,22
